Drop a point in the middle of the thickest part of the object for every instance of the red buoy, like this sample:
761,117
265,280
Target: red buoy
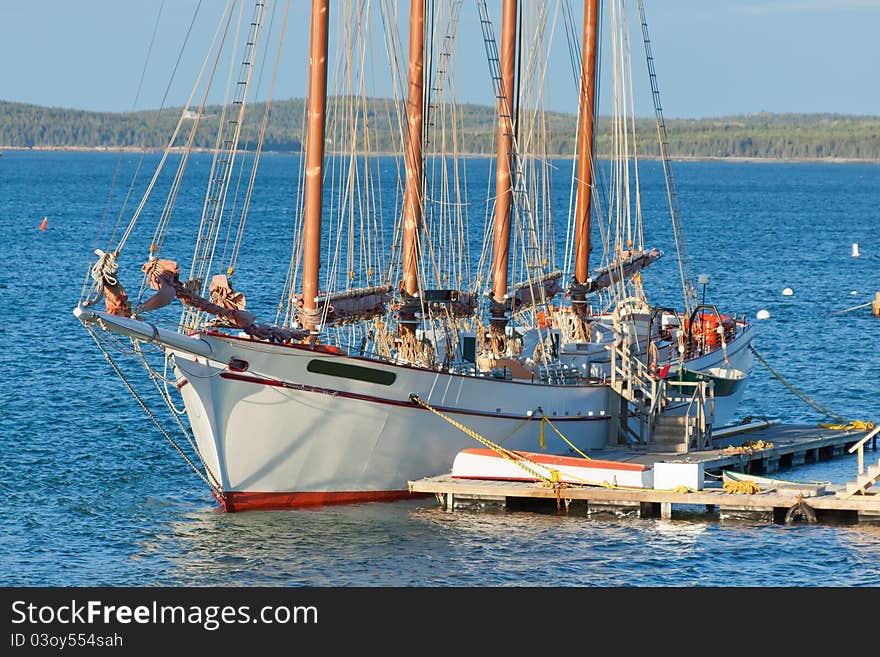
45,222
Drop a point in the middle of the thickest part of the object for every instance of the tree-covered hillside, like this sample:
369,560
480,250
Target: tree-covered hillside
762,135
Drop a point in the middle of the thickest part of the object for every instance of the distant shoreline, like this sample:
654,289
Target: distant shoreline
676,158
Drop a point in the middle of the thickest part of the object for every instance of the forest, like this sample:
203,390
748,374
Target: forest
761,135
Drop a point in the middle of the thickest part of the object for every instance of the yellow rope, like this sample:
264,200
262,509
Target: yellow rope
855,424
518,459
745,487
514,430
544,419
748,447
498,449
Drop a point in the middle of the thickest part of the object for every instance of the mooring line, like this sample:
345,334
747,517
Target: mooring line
845,423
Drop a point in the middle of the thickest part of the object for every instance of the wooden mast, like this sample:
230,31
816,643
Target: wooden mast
314,159
503,179
412,206
585,148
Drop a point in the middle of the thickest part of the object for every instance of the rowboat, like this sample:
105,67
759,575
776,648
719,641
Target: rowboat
477,463
765,483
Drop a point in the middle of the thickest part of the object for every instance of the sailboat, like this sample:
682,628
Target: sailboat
385,360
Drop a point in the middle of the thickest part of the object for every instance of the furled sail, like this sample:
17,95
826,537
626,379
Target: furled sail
348,306
225,303
536,291
622,268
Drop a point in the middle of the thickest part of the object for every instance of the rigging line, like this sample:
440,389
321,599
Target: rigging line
189,316
218,179
245,148
231,144
689,291
390,38
626,84
537,68
163,393
596,189
173,138
161,231
119,157
260,141
155,123
284,314
133,106
211,485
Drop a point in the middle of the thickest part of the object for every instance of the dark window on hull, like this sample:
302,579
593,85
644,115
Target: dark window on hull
347,371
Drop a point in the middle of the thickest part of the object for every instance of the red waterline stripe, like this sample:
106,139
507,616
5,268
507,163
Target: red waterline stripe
394,402
254,501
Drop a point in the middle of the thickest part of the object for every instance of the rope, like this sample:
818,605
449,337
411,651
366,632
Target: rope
517,458
545,419
846,310
745,487
214,487
825,411
855,424
748,447
498,449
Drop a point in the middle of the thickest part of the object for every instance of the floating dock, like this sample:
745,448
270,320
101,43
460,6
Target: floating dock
732,448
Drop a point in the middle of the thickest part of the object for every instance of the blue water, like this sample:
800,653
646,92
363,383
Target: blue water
93,494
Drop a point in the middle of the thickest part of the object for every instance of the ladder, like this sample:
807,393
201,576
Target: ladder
222,166
438,82
690,292
521,205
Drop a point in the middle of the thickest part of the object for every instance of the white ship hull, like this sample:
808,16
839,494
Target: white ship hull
278,434
284,426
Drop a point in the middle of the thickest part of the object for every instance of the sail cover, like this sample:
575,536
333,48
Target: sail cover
536,291
622,268
348,306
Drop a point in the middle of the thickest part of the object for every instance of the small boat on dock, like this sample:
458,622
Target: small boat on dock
766,483
726,380
478,463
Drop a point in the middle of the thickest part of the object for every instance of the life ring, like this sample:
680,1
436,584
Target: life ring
800,510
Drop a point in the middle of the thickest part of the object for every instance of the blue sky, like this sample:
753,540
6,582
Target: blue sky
713,57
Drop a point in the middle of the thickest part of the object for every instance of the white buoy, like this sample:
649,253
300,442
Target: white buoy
853,293
787,292
763,314
855,250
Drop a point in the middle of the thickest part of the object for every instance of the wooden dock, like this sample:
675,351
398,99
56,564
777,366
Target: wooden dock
792,446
